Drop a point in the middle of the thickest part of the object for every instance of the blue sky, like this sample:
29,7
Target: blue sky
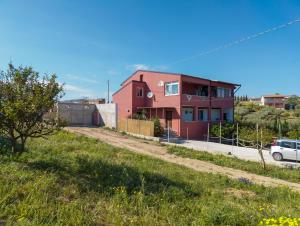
88,42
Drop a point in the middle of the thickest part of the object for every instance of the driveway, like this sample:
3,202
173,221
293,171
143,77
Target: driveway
239,152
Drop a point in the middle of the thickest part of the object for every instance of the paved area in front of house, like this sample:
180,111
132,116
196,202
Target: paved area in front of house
239,152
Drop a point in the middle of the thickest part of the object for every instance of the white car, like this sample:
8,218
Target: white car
286,149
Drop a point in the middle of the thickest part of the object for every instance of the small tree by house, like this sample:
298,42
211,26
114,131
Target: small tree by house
25,97
158,129
228,129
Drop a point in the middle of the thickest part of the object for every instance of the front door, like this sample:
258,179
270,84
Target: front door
169,116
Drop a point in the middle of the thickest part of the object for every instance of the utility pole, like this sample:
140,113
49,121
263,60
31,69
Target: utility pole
108,92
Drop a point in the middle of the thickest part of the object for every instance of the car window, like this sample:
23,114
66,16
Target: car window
287,144
278,143
298,146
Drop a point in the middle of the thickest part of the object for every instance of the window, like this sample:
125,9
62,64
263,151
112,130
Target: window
171,88
202,114
213,91
140,92
224,92
188,114
215,114
202,91
228,114
286,144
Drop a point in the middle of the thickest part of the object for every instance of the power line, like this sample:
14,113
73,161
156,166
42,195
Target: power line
239,41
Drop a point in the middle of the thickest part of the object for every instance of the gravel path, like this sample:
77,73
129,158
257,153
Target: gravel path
152,149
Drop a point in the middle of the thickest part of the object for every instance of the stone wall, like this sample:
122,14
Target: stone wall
76,114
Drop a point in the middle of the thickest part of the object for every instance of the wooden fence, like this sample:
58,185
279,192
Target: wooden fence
141,127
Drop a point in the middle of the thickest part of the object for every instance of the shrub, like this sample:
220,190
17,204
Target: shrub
228,129
250,134
294,134
158,129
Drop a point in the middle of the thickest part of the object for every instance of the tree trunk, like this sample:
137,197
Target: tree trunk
261,150
22,148
13,146
262,158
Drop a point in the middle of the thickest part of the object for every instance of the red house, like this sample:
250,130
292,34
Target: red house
187,104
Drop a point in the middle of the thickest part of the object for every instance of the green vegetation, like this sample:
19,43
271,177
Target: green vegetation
158,129
25,98
292,175
72,180
278,122
272,123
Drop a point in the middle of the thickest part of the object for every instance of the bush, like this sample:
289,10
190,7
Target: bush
228,129
294,134
158,129
250,134
5,146
140,115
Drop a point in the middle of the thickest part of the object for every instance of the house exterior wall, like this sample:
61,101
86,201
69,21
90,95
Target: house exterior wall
151,81
277,102
160,104
123,99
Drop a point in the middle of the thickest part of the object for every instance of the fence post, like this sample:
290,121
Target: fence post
168,132
187,133
127,125
139,126
261,149
208,132
297,150
257,136
237,134
220,132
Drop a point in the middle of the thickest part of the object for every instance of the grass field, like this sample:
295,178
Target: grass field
71,180
288,174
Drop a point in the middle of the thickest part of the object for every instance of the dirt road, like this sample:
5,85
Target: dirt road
160,152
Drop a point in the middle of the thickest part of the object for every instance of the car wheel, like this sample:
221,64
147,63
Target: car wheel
277,156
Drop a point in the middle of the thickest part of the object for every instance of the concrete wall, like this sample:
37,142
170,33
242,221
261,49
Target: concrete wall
76,114
108,115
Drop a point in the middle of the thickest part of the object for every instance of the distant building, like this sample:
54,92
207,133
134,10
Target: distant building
274,100
255,100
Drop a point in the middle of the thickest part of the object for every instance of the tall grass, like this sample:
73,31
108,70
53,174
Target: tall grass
73,180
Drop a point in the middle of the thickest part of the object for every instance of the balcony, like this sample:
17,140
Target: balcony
194,100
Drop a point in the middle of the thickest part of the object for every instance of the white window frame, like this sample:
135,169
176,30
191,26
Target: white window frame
172,84
222,91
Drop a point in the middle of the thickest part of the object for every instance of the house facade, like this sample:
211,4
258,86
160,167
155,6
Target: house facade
274,100
184,103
